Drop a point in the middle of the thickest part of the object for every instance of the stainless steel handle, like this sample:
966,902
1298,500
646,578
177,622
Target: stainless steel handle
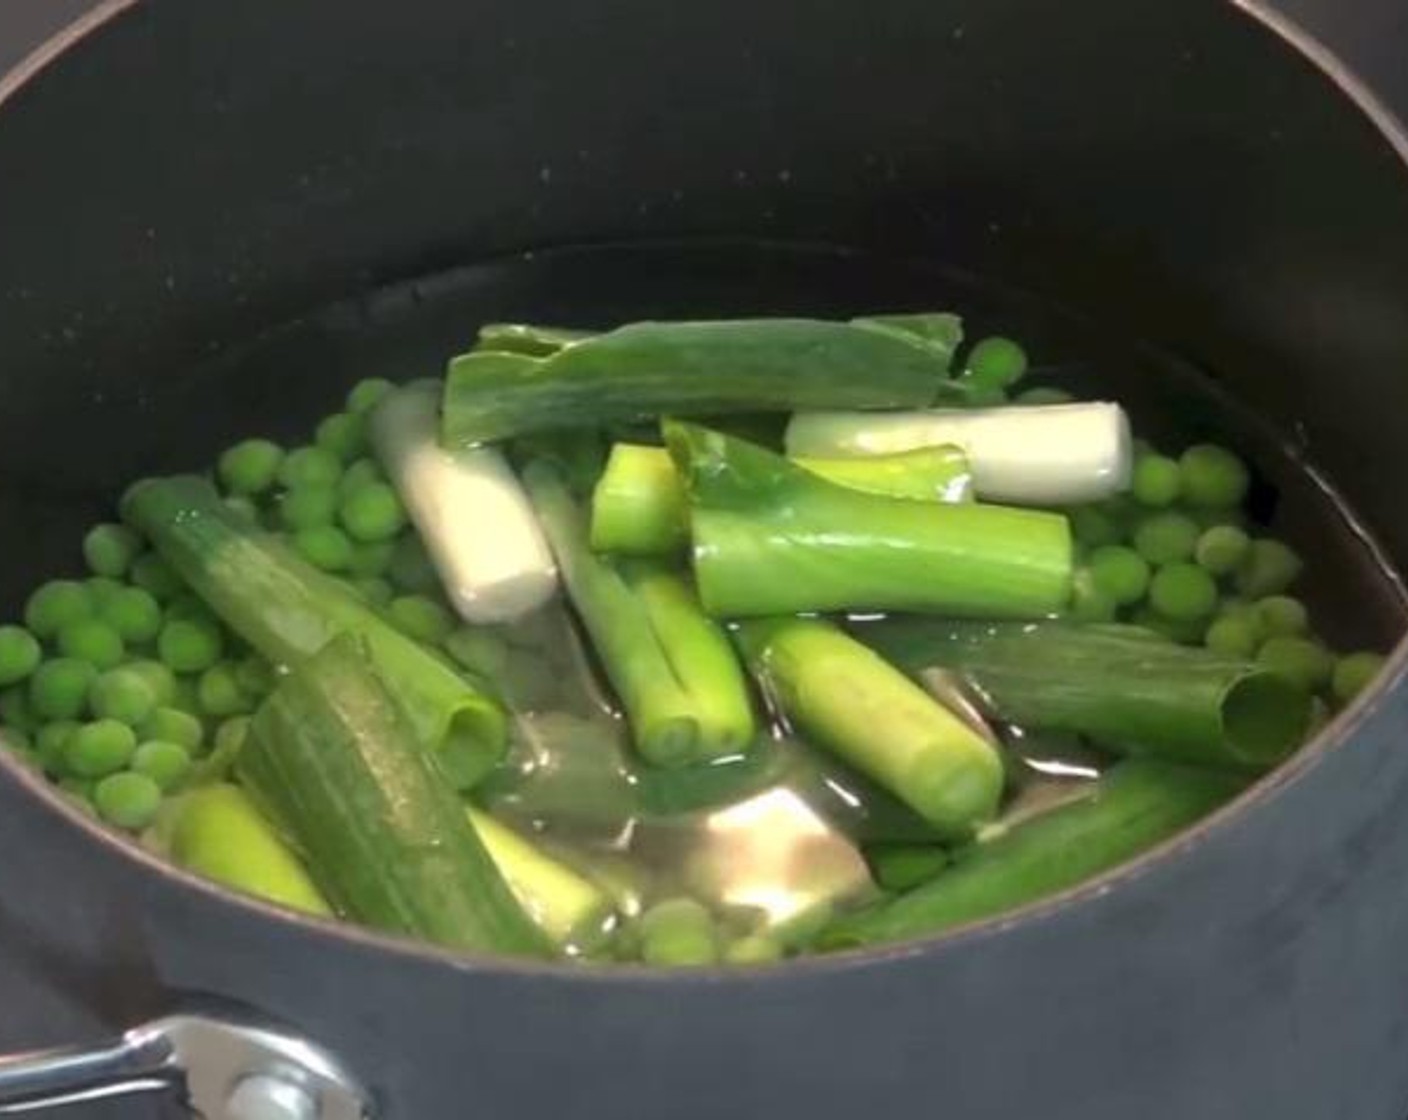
225,1065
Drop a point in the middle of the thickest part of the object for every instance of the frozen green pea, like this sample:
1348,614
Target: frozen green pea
370,560
996,363
902,867
1236,636
164,762
1302,660
309,466
309,506
58,688
50,742
110,549
1183,592
363,472
1119,573
372,513
1269,568
127,800
364,395
1353,673
250,466
55,605
420,617
123,695
20,654
1211,477
219,693
155,576
189,645
1165,538
16,709
172,725
344,434
255,676
243,508
1155,480
1187,631
1282,616
102,590
478,650
1221,549
134,614
410,569
753,949
1088,602
79,790
376,591
92,641
1093,526
99,748
679,932
160,679
324,546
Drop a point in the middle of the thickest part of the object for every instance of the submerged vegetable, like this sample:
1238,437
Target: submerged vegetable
336,759
640,505
672,667
1042,455
1136,805
470,508
770,538
1128,691
289,611
649,369
844,697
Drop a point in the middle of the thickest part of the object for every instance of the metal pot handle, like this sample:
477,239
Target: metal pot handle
224,1066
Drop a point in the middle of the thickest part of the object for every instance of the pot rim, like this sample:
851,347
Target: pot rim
1333,737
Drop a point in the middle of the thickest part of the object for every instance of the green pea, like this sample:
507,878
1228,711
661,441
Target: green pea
19,654
1164,538
1088,602
189,646
92,641
1093,526
1354,673
1183,592
421,618
996,363
1302,660
1269,568
123,695
99,748
372,513
55,605
307,507
309,466
344,434
16,709
172,725
50,743
160,679
365,394
250,466
411,569
679,932
58,689
134,614
255,676
371,560
325,547
1119,573
362,472
1236,636
162,761
127,800
478,650
102,590
219,693
1211,477
1282,617
1221,549
753,949
110,549
1155,480
155,576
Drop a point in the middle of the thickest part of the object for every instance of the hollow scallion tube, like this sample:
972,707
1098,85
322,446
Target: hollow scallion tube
1130,693
288,611
770,538
845,698
335,759
1134,806
640,506
672,667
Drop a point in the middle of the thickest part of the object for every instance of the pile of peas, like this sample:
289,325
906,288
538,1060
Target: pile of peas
123,688
1177,554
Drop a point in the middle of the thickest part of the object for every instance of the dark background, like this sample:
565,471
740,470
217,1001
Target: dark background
1370,35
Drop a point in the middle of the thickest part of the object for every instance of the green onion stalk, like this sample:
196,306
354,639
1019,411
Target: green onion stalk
674,669
770,538
640,506
525,379
1127,690
1137,804
288,611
